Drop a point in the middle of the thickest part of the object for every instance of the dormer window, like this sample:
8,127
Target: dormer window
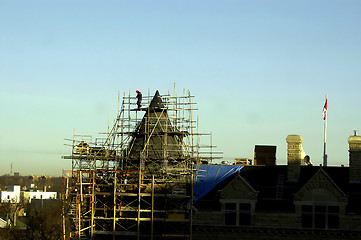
237,214
321,217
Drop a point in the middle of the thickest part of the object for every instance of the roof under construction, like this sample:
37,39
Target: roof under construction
163,141
138,181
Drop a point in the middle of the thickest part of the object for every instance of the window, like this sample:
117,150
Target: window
237,214
333,217
319,216
307,216
231,213
244,214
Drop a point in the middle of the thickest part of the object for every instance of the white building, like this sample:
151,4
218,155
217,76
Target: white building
12,194
38,195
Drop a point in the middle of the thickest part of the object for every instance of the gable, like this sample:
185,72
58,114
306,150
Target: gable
238,188
321,188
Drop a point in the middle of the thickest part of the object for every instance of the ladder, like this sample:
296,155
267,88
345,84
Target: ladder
280,185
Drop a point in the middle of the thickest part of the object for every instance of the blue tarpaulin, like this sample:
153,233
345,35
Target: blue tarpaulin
207,177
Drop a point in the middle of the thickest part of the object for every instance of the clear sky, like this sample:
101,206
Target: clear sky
259,71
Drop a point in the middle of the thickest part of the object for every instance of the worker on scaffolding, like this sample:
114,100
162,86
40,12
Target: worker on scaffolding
139,97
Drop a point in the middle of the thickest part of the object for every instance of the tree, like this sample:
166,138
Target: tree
9,212
45,221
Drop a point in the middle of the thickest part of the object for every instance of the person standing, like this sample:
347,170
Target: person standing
139,97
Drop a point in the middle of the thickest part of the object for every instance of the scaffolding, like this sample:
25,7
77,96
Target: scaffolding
137,182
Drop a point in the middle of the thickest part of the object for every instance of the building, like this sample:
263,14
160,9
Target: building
137,183
31,195
295,201
148,180
242,161
14,195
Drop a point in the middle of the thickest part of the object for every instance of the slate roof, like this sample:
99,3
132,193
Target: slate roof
266,179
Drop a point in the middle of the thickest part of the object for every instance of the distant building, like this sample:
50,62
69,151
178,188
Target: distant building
242,161
28,195
294,201
12,194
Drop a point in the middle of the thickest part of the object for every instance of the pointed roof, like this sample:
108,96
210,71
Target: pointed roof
238,188
320,180
155,136
156,102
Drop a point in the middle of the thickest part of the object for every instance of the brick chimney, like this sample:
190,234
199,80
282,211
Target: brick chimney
355,158
295,157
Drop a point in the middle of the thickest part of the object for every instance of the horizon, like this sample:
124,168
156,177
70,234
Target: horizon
259,71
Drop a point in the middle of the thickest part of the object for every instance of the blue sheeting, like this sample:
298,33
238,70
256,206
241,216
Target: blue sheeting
207,177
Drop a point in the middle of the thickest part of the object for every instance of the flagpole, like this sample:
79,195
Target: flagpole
325,134
324,144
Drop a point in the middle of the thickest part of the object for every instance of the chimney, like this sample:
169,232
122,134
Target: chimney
355,158
265,155
295,157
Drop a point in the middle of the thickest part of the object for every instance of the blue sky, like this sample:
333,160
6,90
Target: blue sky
259,71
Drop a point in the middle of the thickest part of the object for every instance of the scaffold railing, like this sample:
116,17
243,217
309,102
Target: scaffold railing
137,181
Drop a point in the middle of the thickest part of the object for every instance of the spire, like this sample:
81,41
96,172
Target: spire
155,135
156,102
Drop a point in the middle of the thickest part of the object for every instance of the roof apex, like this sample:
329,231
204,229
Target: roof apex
156,102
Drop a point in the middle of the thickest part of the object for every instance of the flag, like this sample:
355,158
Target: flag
324,112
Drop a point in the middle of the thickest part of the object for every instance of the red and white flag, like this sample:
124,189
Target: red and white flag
324,112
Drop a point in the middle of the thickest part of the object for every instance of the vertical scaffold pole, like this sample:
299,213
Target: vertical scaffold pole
139,193
152,223
92,207
114,203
